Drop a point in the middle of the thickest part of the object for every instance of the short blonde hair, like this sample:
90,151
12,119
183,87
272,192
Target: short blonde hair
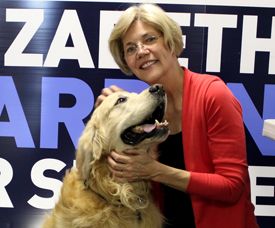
152,15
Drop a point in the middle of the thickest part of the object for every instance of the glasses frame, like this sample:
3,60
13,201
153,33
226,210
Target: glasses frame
132,48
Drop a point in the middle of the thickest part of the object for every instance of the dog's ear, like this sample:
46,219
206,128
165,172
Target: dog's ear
90,147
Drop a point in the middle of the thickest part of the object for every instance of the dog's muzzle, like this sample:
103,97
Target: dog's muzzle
153,125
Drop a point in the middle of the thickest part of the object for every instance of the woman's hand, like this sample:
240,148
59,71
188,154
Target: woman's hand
105,93
132,165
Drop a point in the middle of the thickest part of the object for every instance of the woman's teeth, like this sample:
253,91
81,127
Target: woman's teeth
147,64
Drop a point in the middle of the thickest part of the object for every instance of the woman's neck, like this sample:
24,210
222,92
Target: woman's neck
174,90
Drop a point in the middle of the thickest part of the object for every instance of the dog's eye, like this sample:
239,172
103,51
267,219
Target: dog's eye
120,100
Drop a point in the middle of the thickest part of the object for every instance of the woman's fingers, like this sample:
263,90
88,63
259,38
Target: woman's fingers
130,166
105,93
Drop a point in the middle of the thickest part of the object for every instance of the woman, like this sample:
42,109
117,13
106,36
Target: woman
202,168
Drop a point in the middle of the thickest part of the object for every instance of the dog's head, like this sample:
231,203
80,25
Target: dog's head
122,121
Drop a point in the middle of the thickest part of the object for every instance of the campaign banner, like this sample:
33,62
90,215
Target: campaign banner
54,62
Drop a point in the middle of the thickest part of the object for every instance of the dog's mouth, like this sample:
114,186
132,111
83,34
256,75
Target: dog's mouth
151,126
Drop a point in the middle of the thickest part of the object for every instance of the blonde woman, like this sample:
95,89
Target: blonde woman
202,168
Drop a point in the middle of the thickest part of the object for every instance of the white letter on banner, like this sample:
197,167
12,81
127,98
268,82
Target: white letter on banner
262,190
69,25
14,56
107,22
215,24
46,183
6,174
251,44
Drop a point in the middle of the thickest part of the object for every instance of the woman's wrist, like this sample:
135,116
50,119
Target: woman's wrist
175,178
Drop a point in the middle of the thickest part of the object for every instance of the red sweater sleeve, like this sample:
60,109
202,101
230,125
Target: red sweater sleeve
227,170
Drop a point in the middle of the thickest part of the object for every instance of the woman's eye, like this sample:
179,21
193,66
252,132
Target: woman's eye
150,39
131,49
120,100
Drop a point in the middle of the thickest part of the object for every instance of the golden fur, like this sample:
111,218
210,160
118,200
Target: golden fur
90,197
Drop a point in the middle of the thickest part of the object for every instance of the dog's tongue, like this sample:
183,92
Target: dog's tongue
148,127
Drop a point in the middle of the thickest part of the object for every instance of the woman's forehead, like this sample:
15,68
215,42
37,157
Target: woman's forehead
137,31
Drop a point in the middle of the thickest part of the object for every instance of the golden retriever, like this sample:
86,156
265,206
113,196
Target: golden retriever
90,196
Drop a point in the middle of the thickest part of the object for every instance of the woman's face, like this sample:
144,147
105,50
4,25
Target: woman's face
146,54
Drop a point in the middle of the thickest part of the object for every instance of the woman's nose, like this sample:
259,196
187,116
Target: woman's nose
141,50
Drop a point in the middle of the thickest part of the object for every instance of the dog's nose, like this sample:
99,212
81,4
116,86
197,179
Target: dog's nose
157,89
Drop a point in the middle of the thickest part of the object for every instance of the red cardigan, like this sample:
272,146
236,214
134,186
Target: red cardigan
215,154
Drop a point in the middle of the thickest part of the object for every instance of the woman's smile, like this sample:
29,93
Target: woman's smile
148,64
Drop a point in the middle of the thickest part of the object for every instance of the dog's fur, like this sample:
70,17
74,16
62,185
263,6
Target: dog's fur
90,197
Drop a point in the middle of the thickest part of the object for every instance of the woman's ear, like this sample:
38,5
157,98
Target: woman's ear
89,149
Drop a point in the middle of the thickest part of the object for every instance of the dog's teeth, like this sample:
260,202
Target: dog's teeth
164,123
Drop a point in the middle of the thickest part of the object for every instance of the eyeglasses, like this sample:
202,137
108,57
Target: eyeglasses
132,48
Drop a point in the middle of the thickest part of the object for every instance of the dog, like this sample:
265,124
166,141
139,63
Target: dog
90,197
